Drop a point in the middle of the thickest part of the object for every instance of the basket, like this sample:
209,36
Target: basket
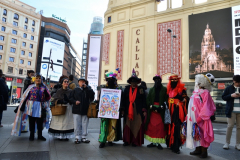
92,110
58,109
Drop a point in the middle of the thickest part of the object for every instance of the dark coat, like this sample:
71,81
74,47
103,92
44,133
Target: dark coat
3,95
140,100
226,96
27,82
85,96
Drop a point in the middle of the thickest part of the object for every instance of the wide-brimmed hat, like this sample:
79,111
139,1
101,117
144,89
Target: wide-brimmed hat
157,77
174,77
134,76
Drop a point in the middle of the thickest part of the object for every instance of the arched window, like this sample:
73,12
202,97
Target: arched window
200,1
26,20
5,12
176,3
33,23
162,6
16,16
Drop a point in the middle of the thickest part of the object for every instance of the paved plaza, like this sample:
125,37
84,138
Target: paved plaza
20,148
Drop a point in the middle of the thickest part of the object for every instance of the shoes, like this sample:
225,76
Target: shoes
197,151
151,145
204,152
77,141
237,146
110,143
66,139
85,140
125,144
42,138
226,146
134,145
102,145
160,147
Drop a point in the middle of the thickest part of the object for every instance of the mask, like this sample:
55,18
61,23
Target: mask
158,83
111,83
174,84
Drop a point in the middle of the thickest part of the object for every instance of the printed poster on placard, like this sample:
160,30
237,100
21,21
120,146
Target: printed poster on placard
109,103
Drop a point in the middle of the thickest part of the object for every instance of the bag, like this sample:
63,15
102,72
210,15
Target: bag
58,109
167,118
92,110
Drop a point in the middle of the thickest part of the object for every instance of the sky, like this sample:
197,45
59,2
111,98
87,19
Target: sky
78,13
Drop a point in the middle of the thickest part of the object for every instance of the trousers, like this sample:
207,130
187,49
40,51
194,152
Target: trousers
231,122
80,126
32,121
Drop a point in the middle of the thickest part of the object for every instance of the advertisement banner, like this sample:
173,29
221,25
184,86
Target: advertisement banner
211,44
54,74
94,62
236,38
57,54
109,103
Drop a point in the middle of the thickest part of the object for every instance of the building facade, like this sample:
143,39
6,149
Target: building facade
84,58
69,63
136,36
18,41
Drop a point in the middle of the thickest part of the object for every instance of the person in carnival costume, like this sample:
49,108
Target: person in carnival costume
134,103
34,107
177,102
201,107
155,130
110,129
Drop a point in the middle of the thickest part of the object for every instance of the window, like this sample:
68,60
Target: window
32,37
2,38
1,47
21,61
25,27
14,32
4,19
20,71
13,50
3,29
162,6
33,29
15,23
10,69
176,3
29,63
11,59
0,57
16,16
33,23
23,53
5,12
200,1
24,35
14,41
24,44
109,19
30,54
31,46
26,20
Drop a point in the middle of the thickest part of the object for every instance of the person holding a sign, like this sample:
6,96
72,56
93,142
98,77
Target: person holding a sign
81,97
110,129
134,104
177,102
155,129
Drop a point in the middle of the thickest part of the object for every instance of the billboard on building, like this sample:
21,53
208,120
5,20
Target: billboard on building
211,44
93,64
54,73
57,48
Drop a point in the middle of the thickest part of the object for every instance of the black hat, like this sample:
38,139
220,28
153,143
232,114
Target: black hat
81,79
157,77
134,76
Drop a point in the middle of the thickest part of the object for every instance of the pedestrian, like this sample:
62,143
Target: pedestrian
3,96
58,85
155,129
134,111
72,85
61,126
232,96
177,103
81,97
144,86
28,80
201,107
110,129
34,106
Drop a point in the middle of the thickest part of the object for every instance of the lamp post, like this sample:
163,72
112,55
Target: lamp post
49,62
72,63
172,36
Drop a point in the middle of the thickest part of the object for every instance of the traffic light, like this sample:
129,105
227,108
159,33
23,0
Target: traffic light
48,81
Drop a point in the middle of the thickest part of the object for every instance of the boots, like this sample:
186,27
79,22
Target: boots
197,151
102,145
204,153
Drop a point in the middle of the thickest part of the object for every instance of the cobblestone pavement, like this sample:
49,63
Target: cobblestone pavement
20,148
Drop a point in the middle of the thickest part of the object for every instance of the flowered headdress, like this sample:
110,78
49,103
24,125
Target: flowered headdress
112,74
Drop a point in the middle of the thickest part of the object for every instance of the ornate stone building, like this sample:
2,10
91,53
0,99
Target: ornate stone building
210,59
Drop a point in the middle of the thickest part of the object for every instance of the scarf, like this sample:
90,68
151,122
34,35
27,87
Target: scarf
132,97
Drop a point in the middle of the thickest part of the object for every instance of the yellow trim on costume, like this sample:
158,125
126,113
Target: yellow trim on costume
171,100
207,79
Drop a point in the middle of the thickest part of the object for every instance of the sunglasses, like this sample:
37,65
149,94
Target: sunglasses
174,80
65,81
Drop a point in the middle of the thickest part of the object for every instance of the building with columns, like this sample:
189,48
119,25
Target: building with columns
18,41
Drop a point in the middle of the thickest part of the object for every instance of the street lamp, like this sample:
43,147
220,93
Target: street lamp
72,63
172,36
